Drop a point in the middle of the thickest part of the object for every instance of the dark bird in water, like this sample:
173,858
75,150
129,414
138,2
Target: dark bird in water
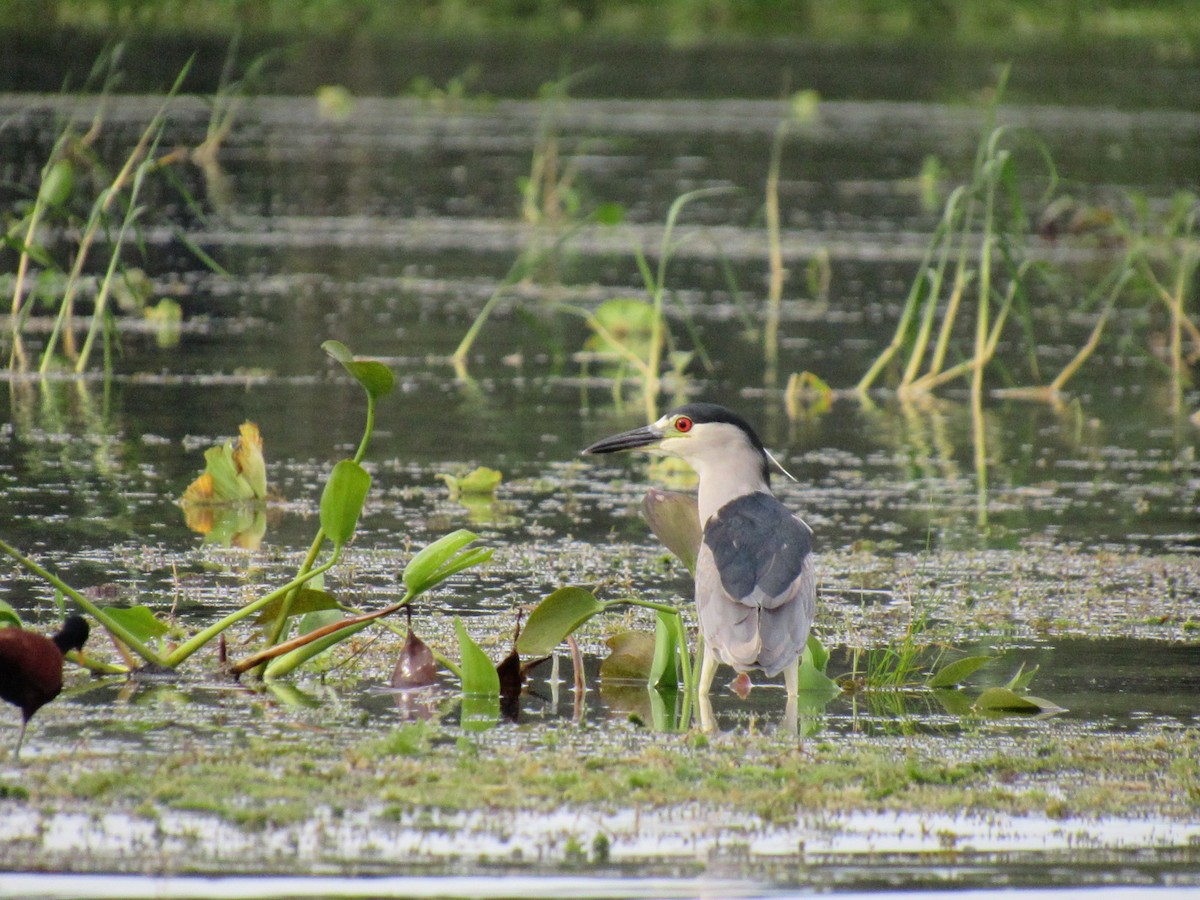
31,666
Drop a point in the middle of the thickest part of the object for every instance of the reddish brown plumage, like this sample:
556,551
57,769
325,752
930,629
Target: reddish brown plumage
31,666
30,669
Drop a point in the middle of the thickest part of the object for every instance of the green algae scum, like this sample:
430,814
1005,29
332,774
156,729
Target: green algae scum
981,380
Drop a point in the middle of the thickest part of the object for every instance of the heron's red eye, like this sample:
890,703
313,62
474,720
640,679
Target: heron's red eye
683,424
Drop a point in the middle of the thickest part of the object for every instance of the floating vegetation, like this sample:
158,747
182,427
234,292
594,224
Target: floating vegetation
242,472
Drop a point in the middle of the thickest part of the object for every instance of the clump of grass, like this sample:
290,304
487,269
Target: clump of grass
111,215
982,226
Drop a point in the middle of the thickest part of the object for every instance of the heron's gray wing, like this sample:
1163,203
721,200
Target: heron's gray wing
785,628
759,549
755,587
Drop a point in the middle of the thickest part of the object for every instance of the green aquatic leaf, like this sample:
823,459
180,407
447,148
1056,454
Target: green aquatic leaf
479,713
631,654
376,378
479,481
441,559
557,616
479,676
1002,700
664,669
304,601
139,621
228,483
957,672
1020,682
815,653
57,184
8,616
674,518
343,499
814,686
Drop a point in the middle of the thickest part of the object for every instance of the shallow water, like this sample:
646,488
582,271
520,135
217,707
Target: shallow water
1071,548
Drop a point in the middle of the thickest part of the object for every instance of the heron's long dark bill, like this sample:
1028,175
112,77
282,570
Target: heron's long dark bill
638,438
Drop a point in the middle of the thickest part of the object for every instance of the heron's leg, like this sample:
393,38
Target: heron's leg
708,671
707,722
791,678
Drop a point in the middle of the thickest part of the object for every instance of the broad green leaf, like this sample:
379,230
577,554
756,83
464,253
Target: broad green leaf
305,600
139,621
8,615
664,669
998,699
557,616
422,571
479,676
675,519
343,499
631,654
815,653
957,672
376,378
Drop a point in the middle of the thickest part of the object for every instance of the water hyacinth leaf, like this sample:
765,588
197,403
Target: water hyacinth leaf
674,518
439,561
343,499
664,668
479,676
305,600
415,666
139,621
557,616
957,672
1001,700
631,653
376,378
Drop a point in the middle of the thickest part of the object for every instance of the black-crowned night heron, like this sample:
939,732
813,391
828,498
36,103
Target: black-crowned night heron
755,587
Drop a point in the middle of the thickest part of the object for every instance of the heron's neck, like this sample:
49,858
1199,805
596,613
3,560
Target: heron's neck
721,484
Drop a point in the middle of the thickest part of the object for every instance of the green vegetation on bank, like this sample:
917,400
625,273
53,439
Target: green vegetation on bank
985,21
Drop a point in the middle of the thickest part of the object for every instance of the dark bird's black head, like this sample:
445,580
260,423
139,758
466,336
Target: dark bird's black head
73,635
